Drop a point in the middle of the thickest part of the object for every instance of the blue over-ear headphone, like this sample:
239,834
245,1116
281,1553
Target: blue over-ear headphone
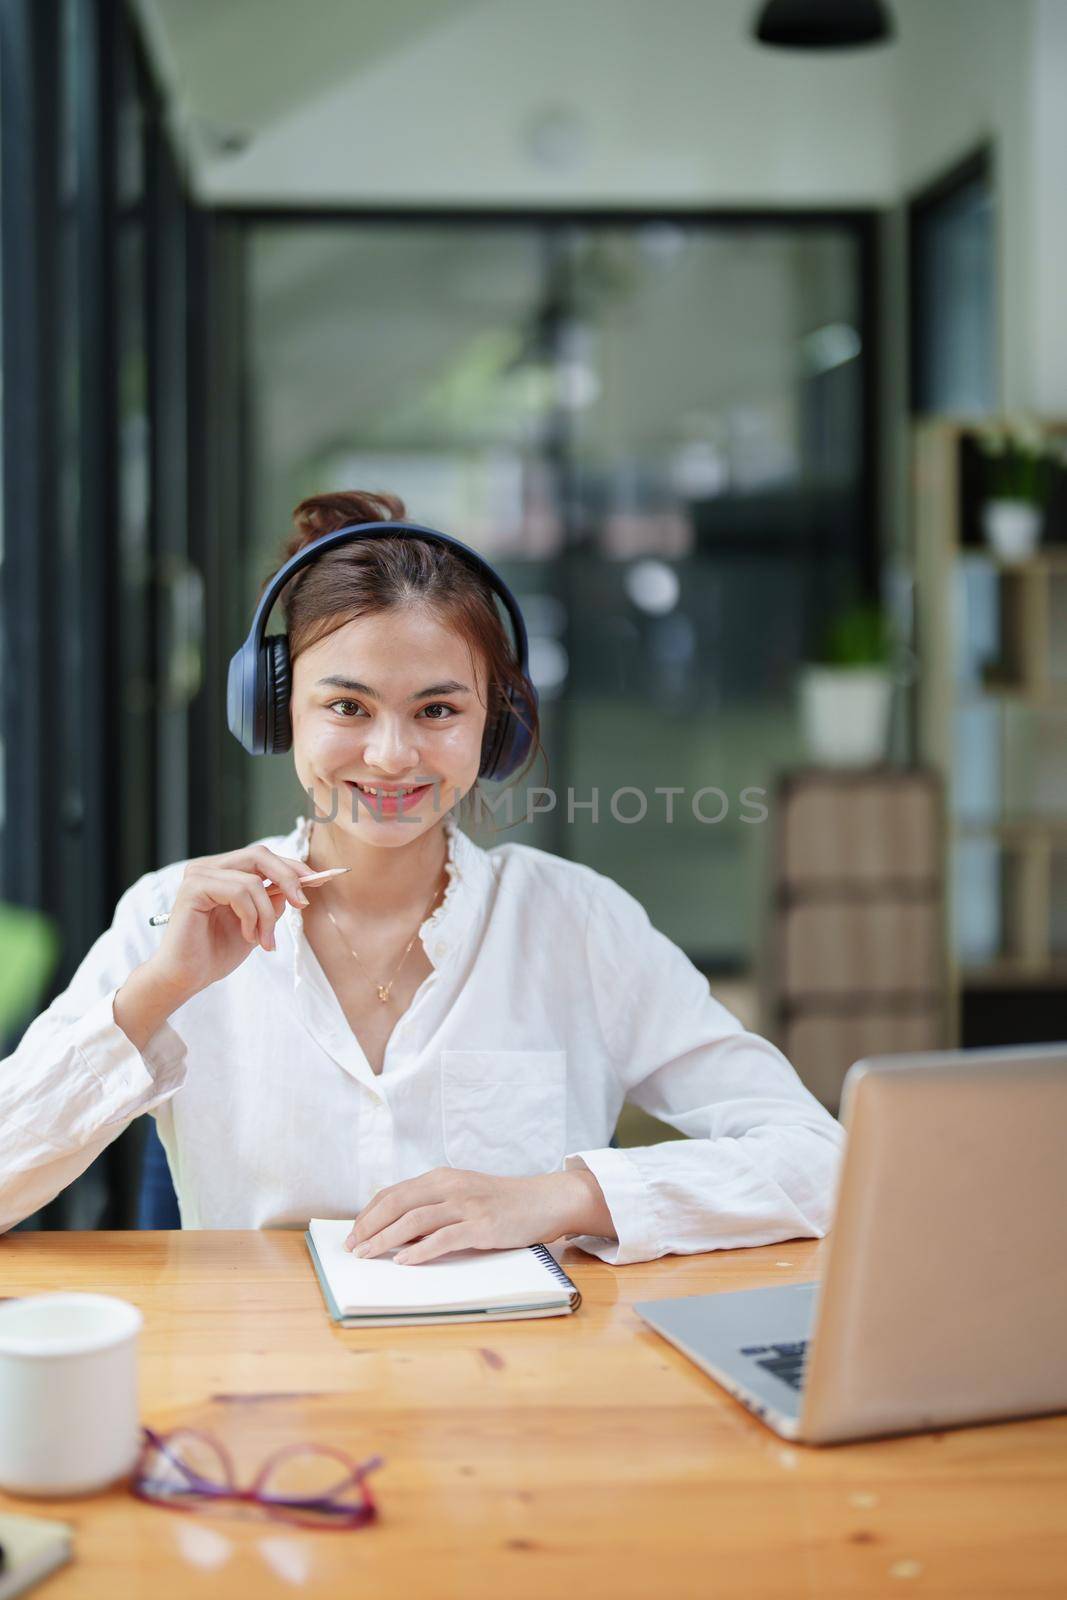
260,678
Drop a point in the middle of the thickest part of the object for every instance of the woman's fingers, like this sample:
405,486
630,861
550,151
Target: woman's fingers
227,891
266,911
251,904
412,1225
392,1202
455,1236
244,893
244,909
281,870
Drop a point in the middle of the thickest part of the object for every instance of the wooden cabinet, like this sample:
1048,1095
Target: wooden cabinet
856,957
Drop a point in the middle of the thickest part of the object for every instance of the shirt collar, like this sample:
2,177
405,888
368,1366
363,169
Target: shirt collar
469,873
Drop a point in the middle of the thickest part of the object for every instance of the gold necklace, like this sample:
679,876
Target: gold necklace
384,988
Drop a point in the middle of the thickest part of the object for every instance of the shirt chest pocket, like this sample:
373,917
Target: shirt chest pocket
504,1111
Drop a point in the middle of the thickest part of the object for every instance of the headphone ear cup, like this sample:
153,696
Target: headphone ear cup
508,743
491,742
277,726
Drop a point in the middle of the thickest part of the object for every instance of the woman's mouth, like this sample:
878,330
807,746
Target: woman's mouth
387,800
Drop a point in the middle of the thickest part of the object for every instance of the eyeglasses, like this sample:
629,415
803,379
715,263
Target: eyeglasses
311,1485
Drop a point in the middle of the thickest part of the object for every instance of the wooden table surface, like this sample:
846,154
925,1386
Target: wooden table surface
571,1456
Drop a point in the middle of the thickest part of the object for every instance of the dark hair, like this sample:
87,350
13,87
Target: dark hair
359,579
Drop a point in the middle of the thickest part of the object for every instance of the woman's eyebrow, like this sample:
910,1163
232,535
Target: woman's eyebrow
450,686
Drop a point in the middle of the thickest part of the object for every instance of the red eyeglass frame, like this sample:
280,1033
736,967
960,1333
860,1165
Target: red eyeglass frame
332,1513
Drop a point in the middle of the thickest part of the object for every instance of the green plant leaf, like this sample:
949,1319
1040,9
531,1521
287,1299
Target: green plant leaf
857,637
28,949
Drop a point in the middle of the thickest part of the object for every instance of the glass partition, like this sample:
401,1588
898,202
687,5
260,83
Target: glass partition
657,431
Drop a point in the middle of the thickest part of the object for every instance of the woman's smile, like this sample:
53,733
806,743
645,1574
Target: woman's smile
389,800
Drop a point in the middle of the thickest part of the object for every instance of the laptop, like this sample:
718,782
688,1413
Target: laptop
944,1296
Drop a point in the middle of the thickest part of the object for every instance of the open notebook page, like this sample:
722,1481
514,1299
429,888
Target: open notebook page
468,1279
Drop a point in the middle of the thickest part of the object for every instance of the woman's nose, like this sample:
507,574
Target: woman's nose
390,748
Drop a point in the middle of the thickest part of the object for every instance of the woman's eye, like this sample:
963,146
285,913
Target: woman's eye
352,708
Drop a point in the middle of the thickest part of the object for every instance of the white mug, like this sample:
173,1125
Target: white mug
68,1393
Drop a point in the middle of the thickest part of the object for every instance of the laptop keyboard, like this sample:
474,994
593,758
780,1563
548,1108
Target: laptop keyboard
786,1361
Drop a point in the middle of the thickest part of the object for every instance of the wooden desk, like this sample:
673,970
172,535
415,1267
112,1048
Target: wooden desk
574,1457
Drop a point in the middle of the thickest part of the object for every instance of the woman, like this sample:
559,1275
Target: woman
437,1041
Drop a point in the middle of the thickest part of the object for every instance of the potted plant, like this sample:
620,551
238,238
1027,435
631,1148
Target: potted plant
846,694
1018,459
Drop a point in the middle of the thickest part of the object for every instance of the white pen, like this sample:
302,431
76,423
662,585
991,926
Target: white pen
310,882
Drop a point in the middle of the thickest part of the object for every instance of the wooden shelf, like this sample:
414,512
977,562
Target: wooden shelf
1050,563
836,891
1015,973
1047,697
1015,830
863,1003
1023,682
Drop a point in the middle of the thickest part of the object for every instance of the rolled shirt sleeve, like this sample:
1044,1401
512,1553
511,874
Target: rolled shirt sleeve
76,1079
761,1158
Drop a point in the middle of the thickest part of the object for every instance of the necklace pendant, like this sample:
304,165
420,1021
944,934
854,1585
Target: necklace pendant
383,991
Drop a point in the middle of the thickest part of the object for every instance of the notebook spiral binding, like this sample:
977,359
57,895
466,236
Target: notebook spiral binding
545,1256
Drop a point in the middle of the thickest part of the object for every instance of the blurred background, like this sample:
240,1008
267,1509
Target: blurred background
732,332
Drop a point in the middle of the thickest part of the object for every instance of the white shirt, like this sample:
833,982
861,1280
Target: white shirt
552,999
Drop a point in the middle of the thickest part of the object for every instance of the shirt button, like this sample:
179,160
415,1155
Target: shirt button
440,948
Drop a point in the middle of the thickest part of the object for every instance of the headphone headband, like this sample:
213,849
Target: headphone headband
259,682
371,530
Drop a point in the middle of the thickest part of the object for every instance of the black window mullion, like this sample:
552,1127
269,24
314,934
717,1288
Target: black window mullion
28,152
176,583
98,823
219,489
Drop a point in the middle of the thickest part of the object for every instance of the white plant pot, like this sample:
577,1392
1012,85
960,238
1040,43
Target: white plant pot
1012,528
844,714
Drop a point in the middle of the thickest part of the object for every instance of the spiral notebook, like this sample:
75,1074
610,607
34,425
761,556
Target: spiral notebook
467,1286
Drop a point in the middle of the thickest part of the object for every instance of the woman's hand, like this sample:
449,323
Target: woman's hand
221,912
449,1209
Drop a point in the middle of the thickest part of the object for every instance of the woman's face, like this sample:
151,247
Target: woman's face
388,713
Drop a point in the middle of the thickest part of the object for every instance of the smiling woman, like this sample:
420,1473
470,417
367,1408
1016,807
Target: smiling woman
409,739
437,1041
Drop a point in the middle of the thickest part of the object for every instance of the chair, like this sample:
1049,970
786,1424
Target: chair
157,1205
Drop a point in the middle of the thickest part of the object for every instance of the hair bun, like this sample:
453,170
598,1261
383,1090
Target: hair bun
325,513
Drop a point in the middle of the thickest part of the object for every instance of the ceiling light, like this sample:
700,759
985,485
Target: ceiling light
823,24
831,346
653,586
